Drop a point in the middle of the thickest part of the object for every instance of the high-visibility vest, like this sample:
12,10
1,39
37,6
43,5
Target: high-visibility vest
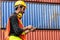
7,31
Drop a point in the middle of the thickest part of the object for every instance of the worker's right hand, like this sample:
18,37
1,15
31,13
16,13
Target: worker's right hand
27,27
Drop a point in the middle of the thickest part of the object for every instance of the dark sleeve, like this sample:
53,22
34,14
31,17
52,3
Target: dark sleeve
15,26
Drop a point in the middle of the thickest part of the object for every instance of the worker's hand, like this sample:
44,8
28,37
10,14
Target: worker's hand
27,31
29,27
25,28
33,29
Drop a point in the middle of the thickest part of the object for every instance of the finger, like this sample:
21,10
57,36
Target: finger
33,29
25,28
30,27
27,31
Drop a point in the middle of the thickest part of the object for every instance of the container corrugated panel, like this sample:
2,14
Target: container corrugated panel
1,34
44,35
7,9
39,35
48,1
0,14
43,16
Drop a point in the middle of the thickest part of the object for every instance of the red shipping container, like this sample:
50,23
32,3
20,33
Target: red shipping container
39,35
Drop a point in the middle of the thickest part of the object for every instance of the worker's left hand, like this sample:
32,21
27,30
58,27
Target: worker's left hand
33,29
29,28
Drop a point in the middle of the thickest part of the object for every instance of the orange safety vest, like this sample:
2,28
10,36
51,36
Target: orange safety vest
7,31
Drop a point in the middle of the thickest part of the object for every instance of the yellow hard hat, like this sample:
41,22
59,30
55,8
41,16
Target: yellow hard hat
20,3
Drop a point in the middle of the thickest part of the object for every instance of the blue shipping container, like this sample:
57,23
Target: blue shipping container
44,16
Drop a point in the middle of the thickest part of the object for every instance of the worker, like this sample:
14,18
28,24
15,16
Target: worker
14,28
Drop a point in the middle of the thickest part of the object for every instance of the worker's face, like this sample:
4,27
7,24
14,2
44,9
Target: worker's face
21,11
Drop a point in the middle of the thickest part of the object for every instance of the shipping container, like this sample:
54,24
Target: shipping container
40,15
40,1
43,16
44,1
39,35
